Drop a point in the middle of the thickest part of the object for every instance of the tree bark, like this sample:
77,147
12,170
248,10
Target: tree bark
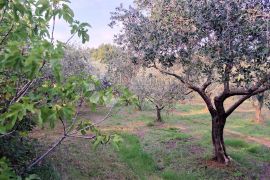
258,104
159,118
258,114
218,124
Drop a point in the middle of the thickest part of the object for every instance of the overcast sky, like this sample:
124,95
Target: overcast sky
97,14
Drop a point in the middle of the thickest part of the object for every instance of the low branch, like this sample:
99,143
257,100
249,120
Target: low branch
83,137
243,99
7,134
66,135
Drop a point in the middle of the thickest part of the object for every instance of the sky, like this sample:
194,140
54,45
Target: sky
97,14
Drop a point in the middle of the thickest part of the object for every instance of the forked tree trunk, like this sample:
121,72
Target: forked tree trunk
218,124
159,118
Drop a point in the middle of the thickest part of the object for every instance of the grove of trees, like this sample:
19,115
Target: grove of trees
168,51
162,92
203,43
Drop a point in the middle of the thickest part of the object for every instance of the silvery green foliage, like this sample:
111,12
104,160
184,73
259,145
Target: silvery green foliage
121,69
162,91
77,61
227,40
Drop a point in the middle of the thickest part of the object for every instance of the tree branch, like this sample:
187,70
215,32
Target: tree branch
36,161
241,100
6,35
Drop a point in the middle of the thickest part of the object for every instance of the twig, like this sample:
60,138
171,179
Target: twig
70,38
7,134
108,115
74,120
64,126
83,137
53,27
6,35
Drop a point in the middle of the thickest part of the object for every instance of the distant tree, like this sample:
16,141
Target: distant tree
159,90
203,43
258,103
104,53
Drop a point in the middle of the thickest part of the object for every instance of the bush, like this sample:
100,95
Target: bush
150,124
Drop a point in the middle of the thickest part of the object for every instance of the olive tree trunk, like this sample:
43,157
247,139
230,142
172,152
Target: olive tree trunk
218,124
158,109
257,103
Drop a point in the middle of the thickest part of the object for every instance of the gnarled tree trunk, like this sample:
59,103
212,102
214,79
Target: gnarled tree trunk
218,124
158,109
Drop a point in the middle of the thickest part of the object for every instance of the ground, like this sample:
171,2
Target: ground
179,148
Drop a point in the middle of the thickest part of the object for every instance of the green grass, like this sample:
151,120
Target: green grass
168,153
139,161
236,143
173,134
189,107
170,175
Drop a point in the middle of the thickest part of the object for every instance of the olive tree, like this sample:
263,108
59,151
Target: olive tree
203,43
161,91
258,101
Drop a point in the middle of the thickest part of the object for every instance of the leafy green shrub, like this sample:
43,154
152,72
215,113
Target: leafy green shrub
150,124
6,172
19,150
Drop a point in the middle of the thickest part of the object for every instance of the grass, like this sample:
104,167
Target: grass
170,175
166,152
139,161
236,143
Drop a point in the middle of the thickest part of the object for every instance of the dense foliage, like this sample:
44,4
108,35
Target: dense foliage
34,89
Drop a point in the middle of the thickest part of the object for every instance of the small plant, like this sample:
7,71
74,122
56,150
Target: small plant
150,124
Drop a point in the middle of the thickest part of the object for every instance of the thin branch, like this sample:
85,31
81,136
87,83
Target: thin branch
74,120
53,28
172,74
7,134
108,115
64,126
83,137
36,161
70,38
22,92
7,34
